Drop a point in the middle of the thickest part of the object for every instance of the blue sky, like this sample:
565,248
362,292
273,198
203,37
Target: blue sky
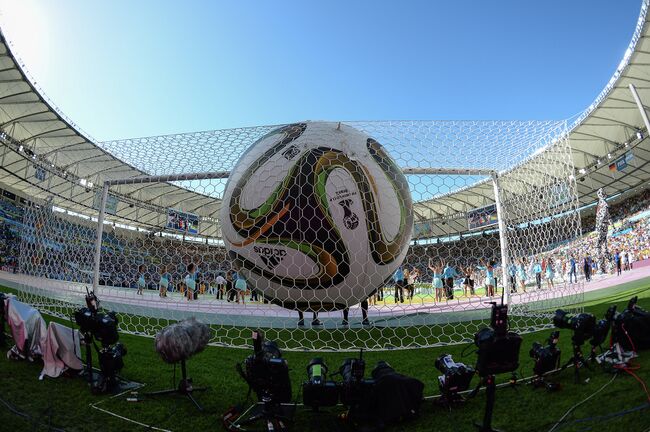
136,68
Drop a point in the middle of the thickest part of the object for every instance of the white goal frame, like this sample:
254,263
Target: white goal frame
493,174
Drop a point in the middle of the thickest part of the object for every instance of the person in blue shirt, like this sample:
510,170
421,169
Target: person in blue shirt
241,286
522,275
573,274
398,278
537,269
448,275
141,283
436,282
512,276
165,280
550,273
490,280
190,282
617,261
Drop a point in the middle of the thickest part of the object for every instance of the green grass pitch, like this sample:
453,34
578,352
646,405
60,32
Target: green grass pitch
65,402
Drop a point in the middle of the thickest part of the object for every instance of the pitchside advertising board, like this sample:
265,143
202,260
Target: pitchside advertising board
181,221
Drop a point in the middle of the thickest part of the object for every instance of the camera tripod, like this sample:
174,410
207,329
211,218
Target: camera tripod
578,361
103,381
275,416
449,398
184,388
490,393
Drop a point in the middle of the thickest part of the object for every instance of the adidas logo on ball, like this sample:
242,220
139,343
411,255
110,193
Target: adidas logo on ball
271,257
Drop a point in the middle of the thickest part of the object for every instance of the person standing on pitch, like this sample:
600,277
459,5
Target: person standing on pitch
448,274
537,269
550,273
221,286
490,280
522,275
190,282
512,276
364,314
617,261
315,322
141,283
398,277
437,280
165,279
240,288
586,267
573,275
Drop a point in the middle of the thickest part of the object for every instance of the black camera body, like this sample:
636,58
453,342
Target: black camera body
318,391
583,325
631,328
266,372
601,329
498,349
456,376
103,327
547,358
112,358
354,387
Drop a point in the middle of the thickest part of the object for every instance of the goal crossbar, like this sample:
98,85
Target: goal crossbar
226,174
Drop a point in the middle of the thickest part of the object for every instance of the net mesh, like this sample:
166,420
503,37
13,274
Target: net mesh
163,239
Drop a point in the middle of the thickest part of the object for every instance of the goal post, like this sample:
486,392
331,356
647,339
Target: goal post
491,201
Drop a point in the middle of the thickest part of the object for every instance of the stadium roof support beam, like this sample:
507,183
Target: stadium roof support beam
637,99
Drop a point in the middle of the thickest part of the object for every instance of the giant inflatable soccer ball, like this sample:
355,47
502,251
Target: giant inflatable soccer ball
316,216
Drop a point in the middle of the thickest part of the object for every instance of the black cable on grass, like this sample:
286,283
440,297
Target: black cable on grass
609,416
26,416
561,421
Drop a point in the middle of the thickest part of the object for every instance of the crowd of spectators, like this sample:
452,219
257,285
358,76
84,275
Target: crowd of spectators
62,247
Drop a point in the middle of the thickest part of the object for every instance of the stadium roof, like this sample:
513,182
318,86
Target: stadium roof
44,154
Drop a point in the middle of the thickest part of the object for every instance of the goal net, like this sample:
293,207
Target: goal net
493,207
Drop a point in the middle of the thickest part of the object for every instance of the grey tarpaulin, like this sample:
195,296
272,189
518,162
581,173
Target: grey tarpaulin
27,329
60,350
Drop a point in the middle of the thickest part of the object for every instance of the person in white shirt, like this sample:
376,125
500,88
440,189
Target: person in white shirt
221,286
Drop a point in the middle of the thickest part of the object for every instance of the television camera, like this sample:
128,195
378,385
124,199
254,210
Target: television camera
352,390
318,391
267,374
631,329
498,352
547,359
455,378
585,327
94,325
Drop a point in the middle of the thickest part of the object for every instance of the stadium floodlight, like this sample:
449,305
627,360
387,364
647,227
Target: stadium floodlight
298,219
